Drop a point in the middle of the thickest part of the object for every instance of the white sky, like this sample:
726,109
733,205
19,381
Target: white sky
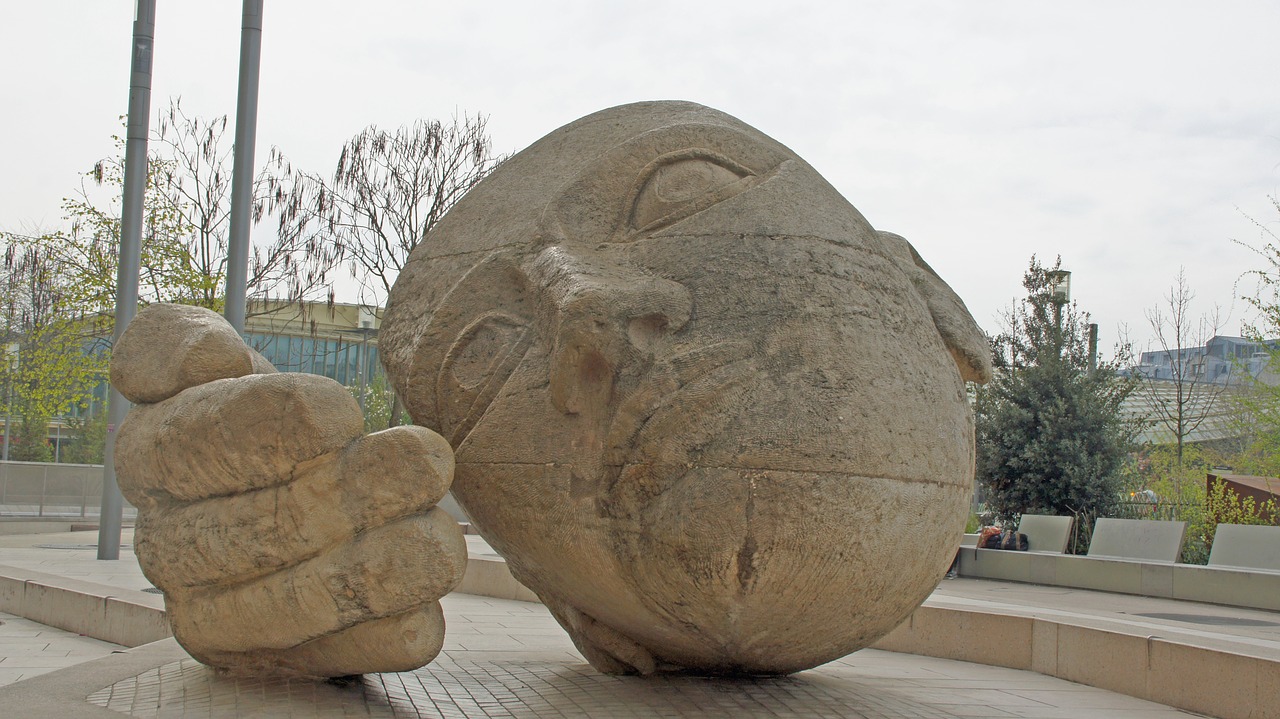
1132,138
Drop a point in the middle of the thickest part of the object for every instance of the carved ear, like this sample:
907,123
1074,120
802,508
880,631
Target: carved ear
473,344
965,340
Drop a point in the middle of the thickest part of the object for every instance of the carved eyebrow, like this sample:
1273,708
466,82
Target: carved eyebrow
715,179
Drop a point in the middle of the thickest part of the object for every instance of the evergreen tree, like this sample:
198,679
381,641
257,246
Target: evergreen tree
30,440
1050,435
89,438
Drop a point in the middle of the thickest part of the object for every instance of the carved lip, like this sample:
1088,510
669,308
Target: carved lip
683,404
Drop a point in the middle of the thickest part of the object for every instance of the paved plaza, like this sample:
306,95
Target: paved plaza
28,649
505,658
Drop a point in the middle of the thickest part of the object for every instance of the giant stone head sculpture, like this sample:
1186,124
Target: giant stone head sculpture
713,418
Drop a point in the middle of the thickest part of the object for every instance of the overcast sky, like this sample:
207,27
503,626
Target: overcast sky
1131,138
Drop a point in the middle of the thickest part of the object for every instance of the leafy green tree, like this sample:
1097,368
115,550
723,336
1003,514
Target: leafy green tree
57,288
379,399
52,357
1051,438
89,439
30,442
1256,406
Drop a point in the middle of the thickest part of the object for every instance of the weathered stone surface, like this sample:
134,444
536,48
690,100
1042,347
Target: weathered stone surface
155,363
707,412
285,541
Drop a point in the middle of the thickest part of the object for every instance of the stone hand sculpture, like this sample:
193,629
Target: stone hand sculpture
714,419
284,540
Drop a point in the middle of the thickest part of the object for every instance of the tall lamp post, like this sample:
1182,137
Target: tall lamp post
1061,290
242,163
131,220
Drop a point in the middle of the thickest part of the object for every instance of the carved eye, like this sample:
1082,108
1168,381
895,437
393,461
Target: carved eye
680,184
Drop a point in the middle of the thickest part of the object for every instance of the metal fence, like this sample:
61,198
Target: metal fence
39,489
1152,510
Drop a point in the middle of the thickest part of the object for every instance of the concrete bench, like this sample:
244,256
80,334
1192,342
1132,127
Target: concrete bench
1046,533
1142,540
1240,546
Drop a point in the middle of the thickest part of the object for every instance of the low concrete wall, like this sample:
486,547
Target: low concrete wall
491,578
1217,683
22,525
1191,582
120,616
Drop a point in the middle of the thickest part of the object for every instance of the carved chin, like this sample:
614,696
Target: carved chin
766,570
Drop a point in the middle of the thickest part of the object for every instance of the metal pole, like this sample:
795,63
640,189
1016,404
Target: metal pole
1093,348
135,184
361,362
7,418
242,168
9,353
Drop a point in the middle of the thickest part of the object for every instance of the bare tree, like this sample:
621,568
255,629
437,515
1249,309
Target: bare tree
194,180
1182,401
386,193
186,218
388,190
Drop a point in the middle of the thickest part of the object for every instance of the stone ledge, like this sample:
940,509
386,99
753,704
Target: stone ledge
112,614
490,578
1190,582
1220,683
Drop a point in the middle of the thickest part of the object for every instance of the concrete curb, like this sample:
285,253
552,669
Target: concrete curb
121,616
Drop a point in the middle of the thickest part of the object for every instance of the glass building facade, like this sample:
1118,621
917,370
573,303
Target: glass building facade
338,359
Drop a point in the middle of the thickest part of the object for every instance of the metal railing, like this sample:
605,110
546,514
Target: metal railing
39,489
1152,510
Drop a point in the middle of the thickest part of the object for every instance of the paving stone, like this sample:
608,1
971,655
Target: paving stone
551,681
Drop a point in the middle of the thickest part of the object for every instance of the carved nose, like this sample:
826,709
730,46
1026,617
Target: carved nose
605,320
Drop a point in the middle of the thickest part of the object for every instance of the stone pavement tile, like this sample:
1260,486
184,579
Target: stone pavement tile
1083,700
514,656
973,710
530,630
8,652
1048,683
506,658
38,661
475,686
1078,713
29,649
983,697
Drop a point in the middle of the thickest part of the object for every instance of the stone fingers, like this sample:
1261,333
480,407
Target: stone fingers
168,348
399,643
377,479
382,572
231,436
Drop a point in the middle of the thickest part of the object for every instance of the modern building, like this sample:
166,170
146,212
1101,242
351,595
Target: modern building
338,341
1221,360
1209,376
